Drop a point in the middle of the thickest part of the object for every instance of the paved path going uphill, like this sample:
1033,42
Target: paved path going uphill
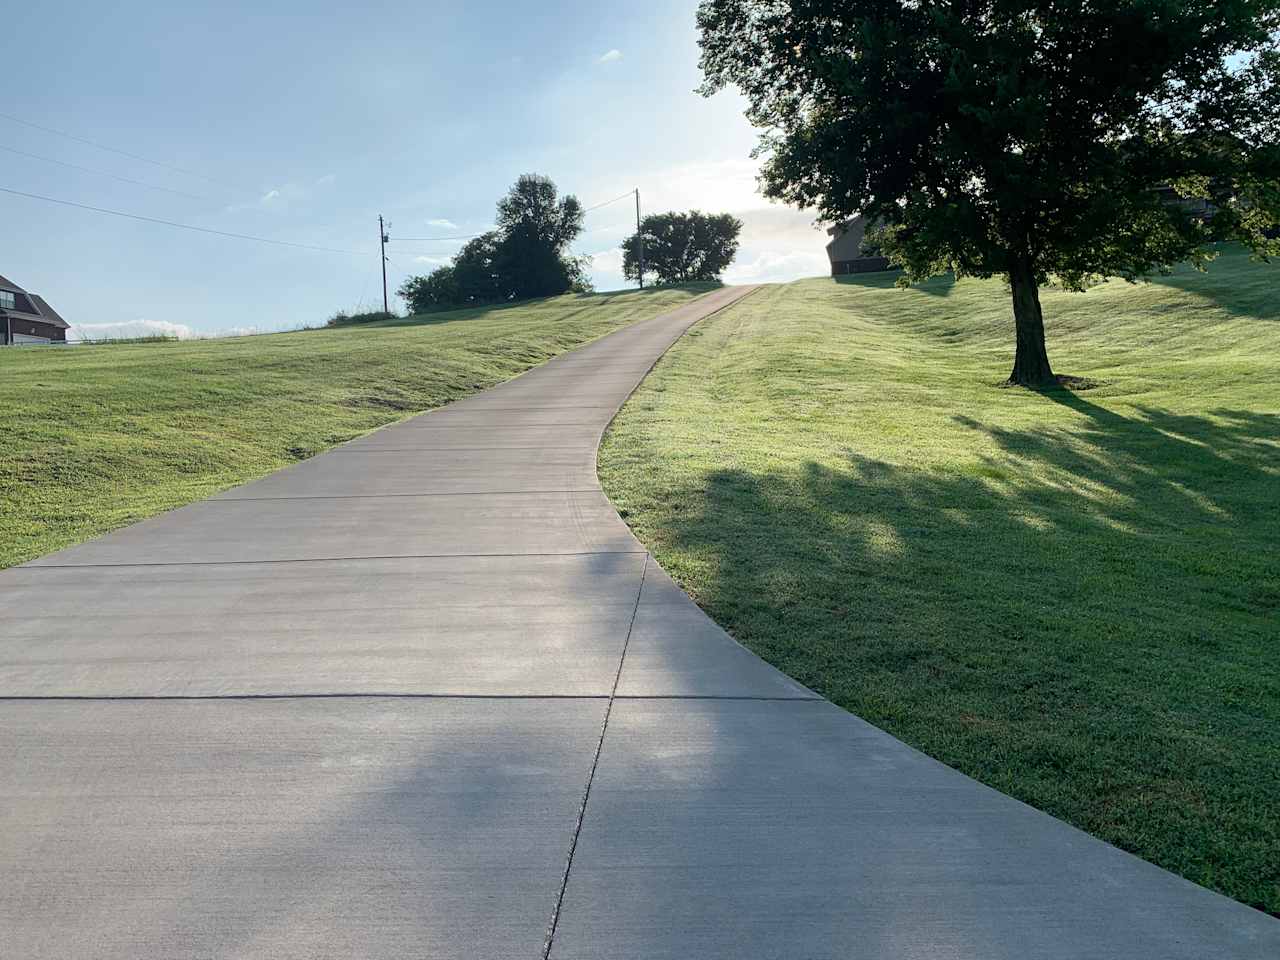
426,696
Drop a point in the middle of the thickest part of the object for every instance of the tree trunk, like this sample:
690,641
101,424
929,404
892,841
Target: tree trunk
1031,361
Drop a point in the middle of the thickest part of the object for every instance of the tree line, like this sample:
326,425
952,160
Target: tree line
527,254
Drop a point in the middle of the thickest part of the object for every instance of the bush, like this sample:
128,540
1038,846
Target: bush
344,319
439,290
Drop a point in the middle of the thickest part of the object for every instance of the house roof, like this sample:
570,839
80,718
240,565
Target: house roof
844,226
49,314
40,309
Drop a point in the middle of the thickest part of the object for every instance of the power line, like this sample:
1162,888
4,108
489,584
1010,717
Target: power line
472,236
182,226
225,233
607,202
101,173
123,153
612,228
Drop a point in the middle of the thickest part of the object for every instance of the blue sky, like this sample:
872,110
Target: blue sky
306,122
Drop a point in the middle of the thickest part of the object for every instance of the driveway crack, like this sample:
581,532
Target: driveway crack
549,941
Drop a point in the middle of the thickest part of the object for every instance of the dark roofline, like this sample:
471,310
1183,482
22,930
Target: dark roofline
48,314
40,311
838,228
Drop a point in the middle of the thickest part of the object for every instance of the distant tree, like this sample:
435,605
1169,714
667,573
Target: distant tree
682,247
472,279
536,228
438,290
525,257
1021,139
476,274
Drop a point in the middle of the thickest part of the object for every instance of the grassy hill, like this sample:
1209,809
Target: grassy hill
1074,597
96,437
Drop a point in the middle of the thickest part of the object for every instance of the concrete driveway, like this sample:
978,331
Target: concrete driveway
425,696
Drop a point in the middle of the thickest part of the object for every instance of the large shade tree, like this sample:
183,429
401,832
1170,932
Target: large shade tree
682,247
1035,141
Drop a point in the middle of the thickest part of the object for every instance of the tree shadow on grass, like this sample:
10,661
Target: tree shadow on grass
877,280
1083,617
888,279
1232,283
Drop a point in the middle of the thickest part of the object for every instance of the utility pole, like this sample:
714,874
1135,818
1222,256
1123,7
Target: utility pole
639,240
382,239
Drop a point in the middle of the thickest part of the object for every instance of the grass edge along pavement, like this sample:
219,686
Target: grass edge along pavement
1072,596
100,436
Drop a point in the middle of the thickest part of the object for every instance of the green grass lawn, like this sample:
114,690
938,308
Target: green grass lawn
96,437
1073,597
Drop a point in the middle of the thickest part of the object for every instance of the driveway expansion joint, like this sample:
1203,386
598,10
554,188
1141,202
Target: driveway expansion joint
591,775
392,695
346,695
364,450
388,556
393,496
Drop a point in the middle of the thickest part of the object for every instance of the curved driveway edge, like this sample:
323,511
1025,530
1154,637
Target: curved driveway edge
425,695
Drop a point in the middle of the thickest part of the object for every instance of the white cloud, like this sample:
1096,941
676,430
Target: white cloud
130,329
712,186
433,261
607,261
601,234
773,266
327,179
441,222
611,57
777,243
277,198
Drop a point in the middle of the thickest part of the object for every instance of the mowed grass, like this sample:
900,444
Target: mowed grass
96,437
1073,597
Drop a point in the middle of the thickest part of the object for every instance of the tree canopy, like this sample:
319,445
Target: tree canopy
682,247
536,229
525,257
1033,140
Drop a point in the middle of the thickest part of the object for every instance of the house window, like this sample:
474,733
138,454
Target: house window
7,300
